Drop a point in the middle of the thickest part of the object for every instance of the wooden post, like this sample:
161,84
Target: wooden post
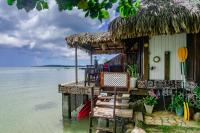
76,72
66,106
92,107
167,65
145,58
146,62
69,107
92,100
114,117
195,57
75,99
91,58
76,65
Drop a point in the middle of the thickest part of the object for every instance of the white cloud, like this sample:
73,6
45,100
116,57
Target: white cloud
45,30
29,23
50,32
32,45
65,52
12,41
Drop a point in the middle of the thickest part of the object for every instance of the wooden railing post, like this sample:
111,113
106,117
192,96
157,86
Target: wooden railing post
92,100
76,65
92,106
66,106
91,58
114,117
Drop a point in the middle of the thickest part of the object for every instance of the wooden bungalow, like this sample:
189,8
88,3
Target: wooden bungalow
151,40
161,27
92,43
102,43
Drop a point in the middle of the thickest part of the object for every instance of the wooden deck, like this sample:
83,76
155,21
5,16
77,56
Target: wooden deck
108,112
122,105
73,96
79,88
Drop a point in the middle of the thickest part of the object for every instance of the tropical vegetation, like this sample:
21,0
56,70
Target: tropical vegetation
177,101
197,97
132,70
92,8
150,100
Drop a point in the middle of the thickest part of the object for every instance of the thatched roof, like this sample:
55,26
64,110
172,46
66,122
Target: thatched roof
86,38
97,43
157,17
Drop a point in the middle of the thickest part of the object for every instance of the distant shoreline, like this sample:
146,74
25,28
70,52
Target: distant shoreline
63,66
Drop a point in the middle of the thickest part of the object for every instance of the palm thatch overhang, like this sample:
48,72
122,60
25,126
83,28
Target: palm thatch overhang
95,43
159,17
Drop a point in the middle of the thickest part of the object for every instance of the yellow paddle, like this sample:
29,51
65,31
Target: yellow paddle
182,56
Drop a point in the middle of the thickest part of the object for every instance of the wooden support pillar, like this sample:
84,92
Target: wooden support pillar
167,65
76,72
66,106
75,99
85,98
193,61
76,65
146,58
91,58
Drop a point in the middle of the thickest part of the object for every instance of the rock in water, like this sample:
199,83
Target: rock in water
197,116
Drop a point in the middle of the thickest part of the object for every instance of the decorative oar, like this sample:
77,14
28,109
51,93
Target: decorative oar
182,56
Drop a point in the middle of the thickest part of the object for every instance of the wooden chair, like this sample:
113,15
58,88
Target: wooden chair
109,107
91,74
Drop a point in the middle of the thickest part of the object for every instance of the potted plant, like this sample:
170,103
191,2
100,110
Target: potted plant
193,100
196,92
132,70
191,104
177,104
196,103
149,102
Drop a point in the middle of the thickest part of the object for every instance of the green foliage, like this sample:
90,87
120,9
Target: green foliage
177,101
128,7
10,2
197,97
132,70
82,4
169,129
150,100
29,4
42,5
92,8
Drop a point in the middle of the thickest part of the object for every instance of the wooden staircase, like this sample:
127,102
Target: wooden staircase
109,108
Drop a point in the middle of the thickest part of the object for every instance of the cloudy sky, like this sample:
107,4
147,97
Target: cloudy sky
37,38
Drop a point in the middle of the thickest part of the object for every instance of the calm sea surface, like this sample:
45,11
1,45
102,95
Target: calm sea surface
30,102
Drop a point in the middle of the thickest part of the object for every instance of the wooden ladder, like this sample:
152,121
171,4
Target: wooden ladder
108,111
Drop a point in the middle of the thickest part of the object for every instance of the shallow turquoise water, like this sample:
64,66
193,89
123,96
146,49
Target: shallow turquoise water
30,102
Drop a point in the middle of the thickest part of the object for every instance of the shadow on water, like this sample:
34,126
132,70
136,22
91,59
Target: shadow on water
74,126
44,106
